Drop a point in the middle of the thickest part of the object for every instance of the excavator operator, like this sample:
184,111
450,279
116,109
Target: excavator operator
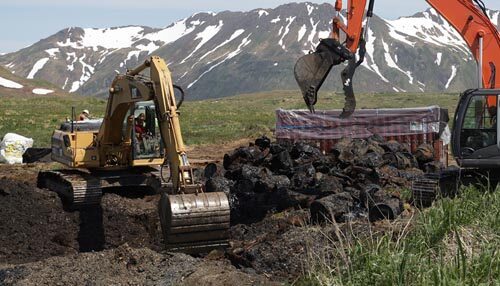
139,126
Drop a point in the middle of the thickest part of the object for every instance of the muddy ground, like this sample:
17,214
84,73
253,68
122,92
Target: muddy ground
120,243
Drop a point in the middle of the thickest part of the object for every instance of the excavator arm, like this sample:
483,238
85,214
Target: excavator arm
481,36
311,70
468,17
191,219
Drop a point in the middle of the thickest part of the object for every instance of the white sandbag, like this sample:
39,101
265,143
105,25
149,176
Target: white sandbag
13,147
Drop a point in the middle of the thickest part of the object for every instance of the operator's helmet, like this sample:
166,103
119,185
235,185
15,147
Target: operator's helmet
86,111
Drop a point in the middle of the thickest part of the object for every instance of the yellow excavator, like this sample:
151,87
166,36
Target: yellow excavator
140,132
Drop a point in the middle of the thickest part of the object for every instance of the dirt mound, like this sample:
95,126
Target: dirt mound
117,243
128,266
35,226
358,177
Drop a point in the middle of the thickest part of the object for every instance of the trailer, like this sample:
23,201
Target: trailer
409,126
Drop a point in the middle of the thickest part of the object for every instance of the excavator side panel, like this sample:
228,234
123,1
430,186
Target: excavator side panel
75,149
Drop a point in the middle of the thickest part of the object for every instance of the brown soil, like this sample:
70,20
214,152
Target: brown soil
120,242
214,153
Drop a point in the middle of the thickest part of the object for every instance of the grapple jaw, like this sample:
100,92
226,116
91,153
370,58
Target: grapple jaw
311,70
310,73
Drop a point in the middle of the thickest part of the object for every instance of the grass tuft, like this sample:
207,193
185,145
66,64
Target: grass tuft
454,242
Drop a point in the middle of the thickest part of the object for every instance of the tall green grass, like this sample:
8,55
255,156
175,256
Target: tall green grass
455,242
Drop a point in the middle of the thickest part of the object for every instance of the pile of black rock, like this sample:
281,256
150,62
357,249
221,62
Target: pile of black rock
357,178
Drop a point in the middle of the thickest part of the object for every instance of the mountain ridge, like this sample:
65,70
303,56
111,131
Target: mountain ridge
226,53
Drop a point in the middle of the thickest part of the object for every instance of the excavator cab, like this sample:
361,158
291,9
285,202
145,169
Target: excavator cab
475,140
146,138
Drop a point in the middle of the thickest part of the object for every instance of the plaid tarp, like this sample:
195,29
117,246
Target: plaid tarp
325,124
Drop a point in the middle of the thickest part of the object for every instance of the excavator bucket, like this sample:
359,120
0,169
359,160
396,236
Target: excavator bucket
310,73
311,70
195,223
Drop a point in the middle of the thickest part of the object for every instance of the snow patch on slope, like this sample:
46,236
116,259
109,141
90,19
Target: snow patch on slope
302,32
109,38
150,47
132,54
370,49
309,8
69,57
426,29
36,67
276,20
452,76
42,91
310,39
494,16
262,12
287,29
9,84
235,35
173,32
390,62
205,36
52,52
87,71
231,55
438,59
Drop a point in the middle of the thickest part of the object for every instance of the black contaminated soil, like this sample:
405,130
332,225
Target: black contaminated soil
270,186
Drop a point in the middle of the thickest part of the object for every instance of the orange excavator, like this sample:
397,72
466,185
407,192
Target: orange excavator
474,140
468,17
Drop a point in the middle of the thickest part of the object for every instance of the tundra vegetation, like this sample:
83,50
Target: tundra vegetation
203,122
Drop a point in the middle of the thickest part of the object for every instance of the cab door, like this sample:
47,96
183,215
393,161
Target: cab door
146,138
475,141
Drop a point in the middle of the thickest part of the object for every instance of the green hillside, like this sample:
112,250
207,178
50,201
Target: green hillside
206,121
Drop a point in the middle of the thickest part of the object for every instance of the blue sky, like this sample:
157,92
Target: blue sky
24,22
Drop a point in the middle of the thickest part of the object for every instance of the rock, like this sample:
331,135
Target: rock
388,208
4,192
401,160
272,183
303,176
263,142
281,162
328,185
219,184
424,153
392,146
331,208
301,149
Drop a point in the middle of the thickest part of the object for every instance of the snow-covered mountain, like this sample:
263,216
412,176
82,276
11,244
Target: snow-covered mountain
228,53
